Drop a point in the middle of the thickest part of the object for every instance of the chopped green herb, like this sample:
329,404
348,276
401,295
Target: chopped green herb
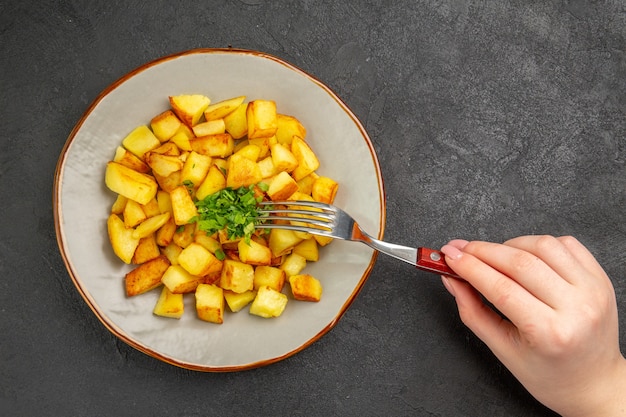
235,210
219,254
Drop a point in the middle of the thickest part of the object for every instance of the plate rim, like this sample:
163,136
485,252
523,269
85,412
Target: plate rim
62,242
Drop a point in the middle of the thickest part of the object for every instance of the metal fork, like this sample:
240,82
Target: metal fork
327,220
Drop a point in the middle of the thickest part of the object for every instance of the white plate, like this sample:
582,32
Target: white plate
82,203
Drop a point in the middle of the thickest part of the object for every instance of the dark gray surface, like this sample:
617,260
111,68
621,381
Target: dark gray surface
491,120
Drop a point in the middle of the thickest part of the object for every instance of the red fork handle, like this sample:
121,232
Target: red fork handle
432,260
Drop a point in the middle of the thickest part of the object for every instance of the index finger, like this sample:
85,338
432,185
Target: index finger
510,297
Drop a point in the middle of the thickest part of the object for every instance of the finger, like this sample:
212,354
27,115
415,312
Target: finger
583,255
507,295
499,334
527,269
557,255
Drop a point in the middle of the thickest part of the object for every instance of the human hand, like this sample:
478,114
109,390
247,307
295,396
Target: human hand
560,337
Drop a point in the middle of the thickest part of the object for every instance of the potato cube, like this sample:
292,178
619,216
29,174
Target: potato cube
165,125
164,201
305,185
179,281
305,287
181,139
213,182
195,168
293,264
151,208
197,260
184,235
237,301
210,303
282,241
151,225
122,241
308,249
254,253
146,276
223,108
282,187
169,305
324,190
208,242
146,250
170,182
237,122
242,172
287,128
130,183
168,149
217,146
183,207
130,160
266,165
163,165
261,115
172,251
322,240
283,158
237,276
165,234
119,205
307,160
269,276
189,107
263,144
140,141
133,214
268,303
210,127
250,152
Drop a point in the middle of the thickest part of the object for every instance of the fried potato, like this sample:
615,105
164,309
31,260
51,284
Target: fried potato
242,172
261,117
268,303
165,125
210,303
305,287
287,128
237,276
146,276
237,301
187,153
223,108
121,238
169,304
131,184
213,182
179,281
183,207
189,107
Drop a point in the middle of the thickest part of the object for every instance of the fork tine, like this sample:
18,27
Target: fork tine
317,222
301,203
319,219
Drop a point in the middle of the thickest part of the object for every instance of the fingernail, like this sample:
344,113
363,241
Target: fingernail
448,285
451,252
458,243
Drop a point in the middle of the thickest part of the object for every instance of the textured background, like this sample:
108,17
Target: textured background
491,120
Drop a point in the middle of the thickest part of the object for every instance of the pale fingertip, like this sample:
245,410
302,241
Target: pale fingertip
452,252
448,285
458,243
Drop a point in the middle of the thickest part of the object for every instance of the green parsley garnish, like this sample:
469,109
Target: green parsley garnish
235,210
